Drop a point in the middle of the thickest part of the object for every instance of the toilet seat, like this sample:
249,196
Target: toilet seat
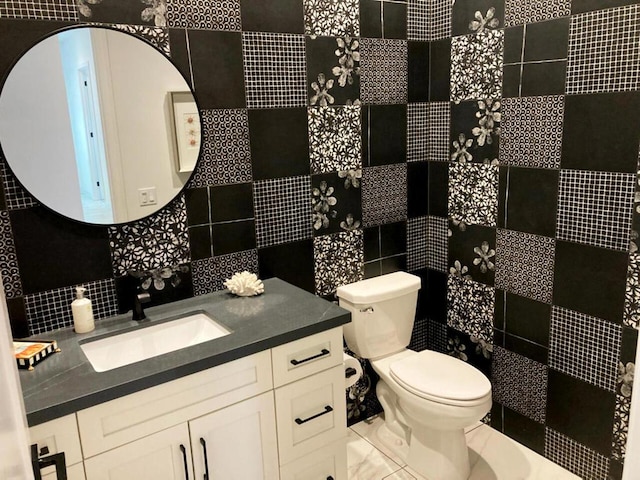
440,378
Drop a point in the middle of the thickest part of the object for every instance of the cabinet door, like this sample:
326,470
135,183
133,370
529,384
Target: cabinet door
161,456
74,472
237,442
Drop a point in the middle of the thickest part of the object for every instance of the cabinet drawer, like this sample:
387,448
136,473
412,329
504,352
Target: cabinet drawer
310,413
59,435
74,472
134,416
327,462
301,358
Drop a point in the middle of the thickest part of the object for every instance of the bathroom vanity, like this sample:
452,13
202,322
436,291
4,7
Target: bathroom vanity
265,401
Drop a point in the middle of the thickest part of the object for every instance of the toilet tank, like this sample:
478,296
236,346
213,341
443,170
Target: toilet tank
382,313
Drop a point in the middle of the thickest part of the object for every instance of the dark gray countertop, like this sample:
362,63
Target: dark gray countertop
66,382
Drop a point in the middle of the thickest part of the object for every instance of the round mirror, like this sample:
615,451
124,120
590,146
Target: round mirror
99,126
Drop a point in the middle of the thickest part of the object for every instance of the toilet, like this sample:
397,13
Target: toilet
428,398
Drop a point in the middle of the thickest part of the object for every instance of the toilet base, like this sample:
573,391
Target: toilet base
434,454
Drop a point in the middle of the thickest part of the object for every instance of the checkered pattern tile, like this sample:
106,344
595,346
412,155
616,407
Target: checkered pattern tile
283,212
15,196
209,15
439,114
60,10
428,20
417,243
51,310
531,131
524,264
585,347
573,456
274,70
517,12
595,208
519,383
440,11
418,132
384,194
438,244
604,51
383,66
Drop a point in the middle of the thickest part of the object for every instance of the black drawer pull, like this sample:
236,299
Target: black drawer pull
206,460
329,477
184,457
322,353
327,409
350,372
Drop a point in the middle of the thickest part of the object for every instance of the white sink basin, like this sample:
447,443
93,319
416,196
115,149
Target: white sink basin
131,347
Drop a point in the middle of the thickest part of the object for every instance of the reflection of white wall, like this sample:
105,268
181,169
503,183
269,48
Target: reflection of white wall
142,113
34,136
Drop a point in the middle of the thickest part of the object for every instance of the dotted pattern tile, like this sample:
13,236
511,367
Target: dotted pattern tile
524,264
417,243
226,152
339,260
418,132
631,317
9,259
61,10
283,212
531,131
210,273
331,18
473,193
384,194
476,65
584,347
274,70
604,51
204,14
470,307
335,138
517,12
51,310
575,457
383,67
438,138
437,251
519,383
595,208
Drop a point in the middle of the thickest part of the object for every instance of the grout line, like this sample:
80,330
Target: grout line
524,36
186,37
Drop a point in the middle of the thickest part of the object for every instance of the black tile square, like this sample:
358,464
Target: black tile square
423,301
590,280
473,249
233,237
348,202
417,189
18,317
436,301
629,345
200,242
393,264
197,201
371,243
418,75
73,253
291,262
439,72
499,310
463,13
231,202
547,40
463,121
387,134
279,143
580,411
282,16
371,18
321,59
120,11
503,183
498,338
180,53
217,55
533,200
372,269
496,416
395,20
438,188
591,5
464,344
511,80
513,38
593,128
393,239
528,319
527,349
524,430
545,78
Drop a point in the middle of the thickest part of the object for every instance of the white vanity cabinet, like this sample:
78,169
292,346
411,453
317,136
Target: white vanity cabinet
276,414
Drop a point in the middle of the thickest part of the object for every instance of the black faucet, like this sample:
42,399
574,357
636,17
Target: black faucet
140,299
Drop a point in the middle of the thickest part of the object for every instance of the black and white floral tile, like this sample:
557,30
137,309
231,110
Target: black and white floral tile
470,307
473,193
339,260
335,138
330,18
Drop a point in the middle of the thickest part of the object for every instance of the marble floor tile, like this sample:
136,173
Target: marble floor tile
400,475
367,430
365,462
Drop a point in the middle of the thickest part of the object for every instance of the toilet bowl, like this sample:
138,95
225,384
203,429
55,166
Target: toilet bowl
428,398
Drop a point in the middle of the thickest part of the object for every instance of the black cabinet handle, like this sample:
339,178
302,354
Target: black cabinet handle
327,409
38,464
184,457
206,461
322,353
329,477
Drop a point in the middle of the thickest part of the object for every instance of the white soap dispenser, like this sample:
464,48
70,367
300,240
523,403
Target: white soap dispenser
82,312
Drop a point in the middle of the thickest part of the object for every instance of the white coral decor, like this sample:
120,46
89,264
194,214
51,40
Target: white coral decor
244,284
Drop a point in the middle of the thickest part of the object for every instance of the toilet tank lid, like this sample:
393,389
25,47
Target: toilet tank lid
379,288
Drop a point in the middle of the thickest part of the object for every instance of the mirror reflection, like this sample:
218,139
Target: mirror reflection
99,126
